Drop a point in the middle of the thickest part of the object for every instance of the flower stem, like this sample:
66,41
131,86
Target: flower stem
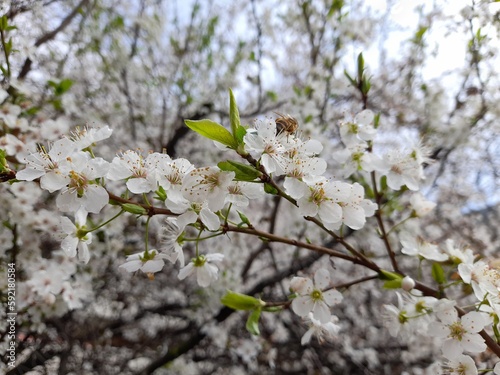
107,221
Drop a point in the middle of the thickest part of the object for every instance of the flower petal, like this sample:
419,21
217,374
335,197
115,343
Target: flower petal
321,312
186,271
332,297
322,278
302,305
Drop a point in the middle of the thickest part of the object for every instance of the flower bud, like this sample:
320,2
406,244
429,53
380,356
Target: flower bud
407,283
134,209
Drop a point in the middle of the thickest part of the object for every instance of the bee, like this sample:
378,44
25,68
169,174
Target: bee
286,124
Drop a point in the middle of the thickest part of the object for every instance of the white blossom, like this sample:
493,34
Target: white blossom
190,212
140,172
77,237
170,239
407,283
460,254
496,369
483,279
416,246
206,272
263,143
207,184
412,314
311,297
461,365
459,334
421,206
403,170
170,176
357,158
148,262
323,331
83,189
240,193
358,129
86,136
51,167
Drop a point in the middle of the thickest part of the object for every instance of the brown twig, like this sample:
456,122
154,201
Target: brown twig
51,35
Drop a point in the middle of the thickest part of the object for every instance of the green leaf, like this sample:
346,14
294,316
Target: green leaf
240,133
117,23
365,86
308,90
65,85
134,209
61,87
335,7
438,273
361,66
270,189
393,284
3,23
272,96
387,275
238,301
32,111
351,80
383,183
242,172
376,120
244,219
161,194
57,104
4,166
419,35
234,114
212,130
8,47
252,325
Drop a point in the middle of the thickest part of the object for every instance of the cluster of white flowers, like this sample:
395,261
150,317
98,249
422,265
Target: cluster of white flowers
412,314
198,197
68,166
402,167
335,202
69,169
439,317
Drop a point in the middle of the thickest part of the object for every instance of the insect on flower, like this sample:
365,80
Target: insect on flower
286,123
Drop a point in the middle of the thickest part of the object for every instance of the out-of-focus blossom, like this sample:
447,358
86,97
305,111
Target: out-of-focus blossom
88,136
358,129
322,331
416,246
421,206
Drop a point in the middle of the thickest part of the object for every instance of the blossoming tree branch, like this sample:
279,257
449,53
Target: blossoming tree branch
68,206
200,203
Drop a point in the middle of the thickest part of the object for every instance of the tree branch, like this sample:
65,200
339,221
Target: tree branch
51,35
